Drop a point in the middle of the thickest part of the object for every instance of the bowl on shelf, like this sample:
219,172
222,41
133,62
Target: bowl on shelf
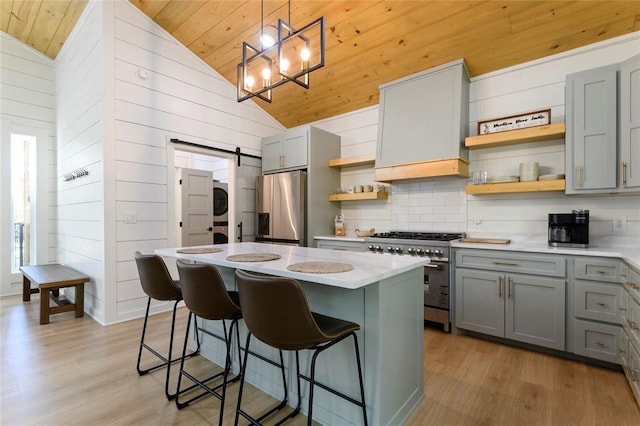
368,233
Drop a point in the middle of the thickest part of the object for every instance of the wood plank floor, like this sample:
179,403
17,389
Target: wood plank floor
74,371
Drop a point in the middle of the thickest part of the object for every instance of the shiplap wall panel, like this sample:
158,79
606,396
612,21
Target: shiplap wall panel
182,98
27,102
80,144
519,89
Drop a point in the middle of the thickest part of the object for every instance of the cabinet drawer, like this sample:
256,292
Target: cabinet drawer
597,301
623,350
607,270
596,340
633,284
632,324
524,263
340,245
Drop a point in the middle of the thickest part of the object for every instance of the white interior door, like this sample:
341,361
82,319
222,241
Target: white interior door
196,199
245,198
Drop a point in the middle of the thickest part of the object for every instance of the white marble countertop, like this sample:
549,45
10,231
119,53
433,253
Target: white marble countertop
368,267
626,248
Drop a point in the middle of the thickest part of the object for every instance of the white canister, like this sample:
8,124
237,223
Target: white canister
529,171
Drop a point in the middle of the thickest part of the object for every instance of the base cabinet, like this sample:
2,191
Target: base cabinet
525,308
340,245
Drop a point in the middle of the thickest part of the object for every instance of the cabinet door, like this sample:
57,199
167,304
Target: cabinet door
597,340
598,301
591,142
479,301
295,147
535,310
272,153
630,122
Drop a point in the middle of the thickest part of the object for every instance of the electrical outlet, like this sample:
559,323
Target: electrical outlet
620,224
477,222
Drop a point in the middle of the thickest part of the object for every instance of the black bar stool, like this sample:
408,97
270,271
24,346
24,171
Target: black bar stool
157,283
205,295
276,311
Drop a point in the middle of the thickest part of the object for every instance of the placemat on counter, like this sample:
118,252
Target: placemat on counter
199,250
253,257
320,267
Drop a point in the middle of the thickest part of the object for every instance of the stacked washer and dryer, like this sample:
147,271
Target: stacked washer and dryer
220,213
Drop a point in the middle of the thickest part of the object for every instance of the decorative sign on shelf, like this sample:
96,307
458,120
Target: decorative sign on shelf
530,119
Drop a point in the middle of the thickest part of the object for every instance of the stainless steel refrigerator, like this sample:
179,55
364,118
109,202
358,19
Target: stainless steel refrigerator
281,208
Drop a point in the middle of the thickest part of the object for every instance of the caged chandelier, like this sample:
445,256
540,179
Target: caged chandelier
289,58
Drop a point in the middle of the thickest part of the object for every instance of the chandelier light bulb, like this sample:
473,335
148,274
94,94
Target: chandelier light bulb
284,65
305,54
267,41
266,77
249,81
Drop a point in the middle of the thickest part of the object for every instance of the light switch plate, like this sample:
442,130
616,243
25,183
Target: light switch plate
130,217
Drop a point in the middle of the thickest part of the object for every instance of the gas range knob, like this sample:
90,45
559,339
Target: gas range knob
371,247
438,253
378,248
390,249
419,252
428,252
398,249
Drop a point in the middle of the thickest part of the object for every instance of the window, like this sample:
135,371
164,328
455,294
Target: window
23,175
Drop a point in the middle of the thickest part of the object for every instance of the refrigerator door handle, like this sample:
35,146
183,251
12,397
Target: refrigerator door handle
240,232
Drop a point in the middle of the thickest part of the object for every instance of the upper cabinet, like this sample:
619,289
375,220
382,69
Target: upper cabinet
285,151
603,130
423,121
630,122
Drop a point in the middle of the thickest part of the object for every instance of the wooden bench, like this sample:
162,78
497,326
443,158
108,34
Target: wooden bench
50,279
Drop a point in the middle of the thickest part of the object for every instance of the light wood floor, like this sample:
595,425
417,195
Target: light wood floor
74,371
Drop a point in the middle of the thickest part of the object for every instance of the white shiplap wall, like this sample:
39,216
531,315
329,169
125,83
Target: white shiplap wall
440,204
80,144
27,106
162,91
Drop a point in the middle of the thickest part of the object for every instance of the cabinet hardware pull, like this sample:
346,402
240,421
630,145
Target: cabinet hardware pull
509,287
600,303
623,275
500,287
622,351
633,285
624,173
433,266
633,375
601,272
600,344
504,263
633,325
622,309
579,176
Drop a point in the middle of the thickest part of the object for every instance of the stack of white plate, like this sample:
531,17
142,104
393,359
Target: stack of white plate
503,179
551,177
529,171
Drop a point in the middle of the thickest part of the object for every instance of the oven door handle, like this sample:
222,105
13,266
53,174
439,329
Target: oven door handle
433,266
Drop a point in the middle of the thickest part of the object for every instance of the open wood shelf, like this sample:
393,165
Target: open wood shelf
513,137
359,196
358,160
504,188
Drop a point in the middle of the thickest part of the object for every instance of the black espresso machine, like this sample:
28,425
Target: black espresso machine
569,229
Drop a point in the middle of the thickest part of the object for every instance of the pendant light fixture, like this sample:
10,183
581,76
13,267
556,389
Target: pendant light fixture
292,57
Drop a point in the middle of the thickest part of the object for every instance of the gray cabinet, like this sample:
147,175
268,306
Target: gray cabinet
630,122
286,151
341,245
591,130
598,308
490,299
423,117
603,129
630,335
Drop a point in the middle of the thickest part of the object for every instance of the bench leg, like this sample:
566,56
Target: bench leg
44,306
79,300
26,289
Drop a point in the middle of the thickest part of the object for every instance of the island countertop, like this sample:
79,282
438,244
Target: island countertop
368,268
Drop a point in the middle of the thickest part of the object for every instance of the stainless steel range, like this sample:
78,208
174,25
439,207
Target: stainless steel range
437,274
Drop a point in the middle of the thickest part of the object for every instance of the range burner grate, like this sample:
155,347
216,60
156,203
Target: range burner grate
428,236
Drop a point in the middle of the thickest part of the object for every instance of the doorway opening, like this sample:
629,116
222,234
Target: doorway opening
23,197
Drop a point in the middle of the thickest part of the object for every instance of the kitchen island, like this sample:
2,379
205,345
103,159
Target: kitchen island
382,293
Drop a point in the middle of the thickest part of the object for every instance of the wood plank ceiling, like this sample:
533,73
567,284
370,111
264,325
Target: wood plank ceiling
368,42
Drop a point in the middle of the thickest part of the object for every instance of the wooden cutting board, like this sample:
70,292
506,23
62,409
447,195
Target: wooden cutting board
485,240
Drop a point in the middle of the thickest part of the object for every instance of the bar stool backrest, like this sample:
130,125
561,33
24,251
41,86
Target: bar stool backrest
276,311
204,292
155,278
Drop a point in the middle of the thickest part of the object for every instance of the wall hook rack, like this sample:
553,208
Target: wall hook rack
75,174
